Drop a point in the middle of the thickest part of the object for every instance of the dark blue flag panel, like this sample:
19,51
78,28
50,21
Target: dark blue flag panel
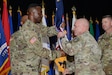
3,47
97,31
19,19
68,28
11,24
59,13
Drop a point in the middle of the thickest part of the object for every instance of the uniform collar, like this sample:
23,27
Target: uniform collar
85,33
107,35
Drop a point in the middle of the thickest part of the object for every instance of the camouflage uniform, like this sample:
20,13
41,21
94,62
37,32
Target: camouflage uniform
26,48
105,42
86,53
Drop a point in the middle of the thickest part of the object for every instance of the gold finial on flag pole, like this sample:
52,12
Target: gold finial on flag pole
73,9
83,16
19,10
10,10
91,20
97,21
42,3
10,7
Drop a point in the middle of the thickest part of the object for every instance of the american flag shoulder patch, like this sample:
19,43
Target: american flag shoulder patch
33,40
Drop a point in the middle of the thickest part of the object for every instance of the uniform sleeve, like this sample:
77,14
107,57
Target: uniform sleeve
17,42
34,44
49,54
70,66
101,42
71,47
50,31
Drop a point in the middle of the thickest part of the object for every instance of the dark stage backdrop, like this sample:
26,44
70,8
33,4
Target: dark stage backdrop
87,8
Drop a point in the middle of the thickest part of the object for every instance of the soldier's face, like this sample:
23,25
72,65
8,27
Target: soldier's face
78,29
38,14
106,23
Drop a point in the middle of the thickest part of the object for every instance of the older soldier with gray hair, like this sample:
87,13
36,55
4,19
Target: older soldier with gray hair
105,42
87,53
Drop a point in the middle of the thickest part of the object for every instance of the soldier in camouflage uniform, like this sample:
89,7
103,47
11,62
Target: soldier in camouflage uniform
87,53
26,44
105,42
